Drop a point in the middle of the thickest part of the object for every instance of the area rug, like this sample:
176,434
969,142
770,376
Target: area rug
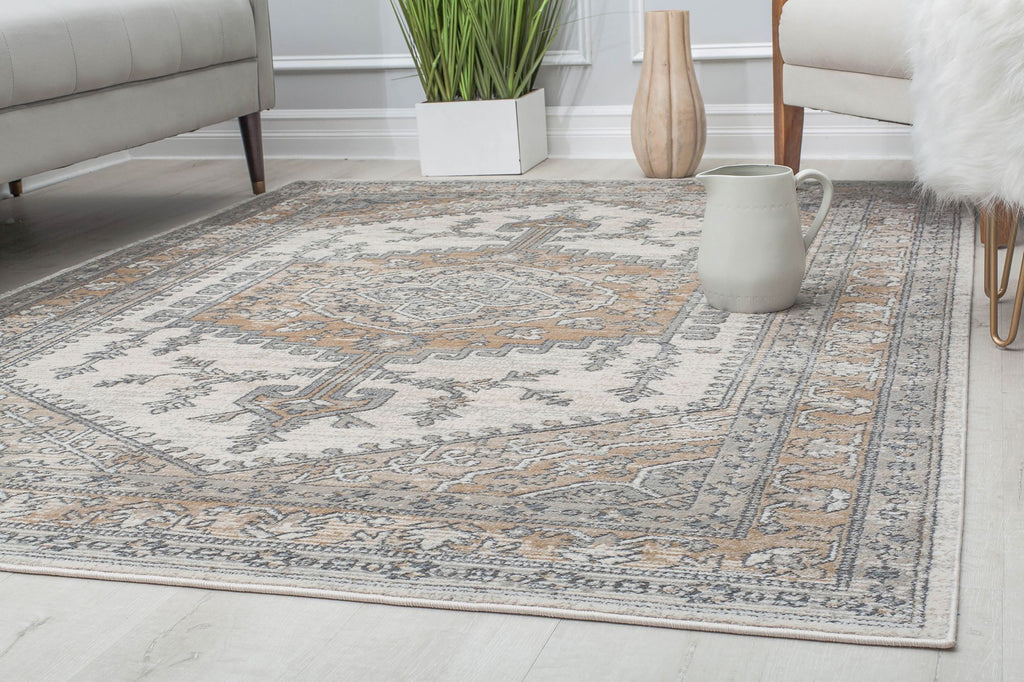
503,396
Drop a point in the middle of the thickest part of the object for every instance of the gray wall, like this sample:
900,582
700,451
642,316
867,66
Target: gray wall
363,38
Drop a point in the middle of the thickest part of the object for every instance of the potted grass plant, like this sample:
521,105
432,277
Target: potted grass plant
477,61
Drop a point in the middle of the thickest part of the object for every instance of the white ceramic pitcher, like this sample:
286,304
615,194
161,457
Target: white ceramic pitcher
752,254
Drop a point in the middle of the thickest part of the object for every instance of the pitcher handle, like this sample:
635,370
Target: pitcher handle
826,200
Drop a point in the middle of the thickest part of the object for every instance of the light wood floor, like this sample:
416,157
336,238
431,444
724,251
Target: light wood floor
58,628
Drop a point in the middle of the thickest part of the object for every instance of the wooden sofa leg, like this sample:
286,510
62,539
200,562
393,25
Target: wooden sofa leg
252,137
16,188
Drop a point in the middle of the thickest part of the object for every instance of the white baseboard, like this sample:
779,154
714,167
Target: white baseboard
846,148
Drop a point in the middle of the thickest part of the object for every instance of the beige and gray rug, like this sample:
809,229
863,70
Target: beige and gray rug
507,397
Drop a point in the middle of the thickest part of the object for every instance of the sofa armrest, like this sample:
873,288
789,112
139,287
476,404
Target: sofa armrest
264,53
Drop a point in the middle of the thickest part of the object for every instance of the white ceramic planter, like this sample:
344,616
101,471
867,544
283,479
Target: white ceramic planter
483,137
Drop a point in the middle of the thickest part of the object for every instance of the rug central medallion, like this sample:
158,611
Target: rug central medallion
457,301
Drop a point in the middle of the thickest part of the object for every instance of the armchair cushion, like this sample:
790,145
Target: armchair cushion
56,48
866,36
848,92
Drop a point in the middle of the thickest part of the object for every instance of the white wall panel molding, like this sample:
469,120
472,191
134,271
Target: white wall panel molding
636,29
718,52
849,148
580,26
708,52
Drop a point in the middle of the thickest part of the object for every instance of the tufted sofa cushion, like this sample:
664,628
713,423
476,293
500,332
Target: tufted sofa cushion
55,48
866,36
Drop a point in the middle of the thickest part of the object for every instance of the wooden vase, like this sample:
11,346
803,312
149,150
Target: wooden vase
669,127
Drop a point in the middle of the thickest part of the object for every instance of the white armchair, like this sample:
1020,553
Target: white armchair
855,57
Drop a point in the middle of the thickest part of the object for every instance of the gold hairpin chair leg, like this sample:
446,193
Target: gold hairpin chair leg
996,284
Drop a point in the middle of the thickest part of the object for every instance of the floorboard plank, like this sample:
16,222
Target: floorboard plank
207,635
739,659
1012,457
393,643
51,628
1013,603
594,652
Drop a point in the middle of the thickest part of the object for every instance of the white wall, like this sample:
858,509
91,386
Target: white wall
346,88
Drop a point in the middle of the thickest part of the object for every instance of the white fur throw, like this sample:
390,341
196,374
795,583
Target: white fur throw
968,92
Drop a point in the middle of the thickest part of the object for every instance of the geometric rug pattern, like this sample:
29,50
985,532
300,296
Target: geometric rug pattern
503,396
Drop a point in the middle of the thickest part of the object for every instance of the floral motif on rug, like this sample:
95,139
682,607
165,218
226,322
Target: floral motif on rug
503,396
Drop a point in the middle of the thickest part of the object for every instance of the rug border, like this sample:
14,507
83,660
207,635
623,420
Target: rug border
959,340
487,607
960,334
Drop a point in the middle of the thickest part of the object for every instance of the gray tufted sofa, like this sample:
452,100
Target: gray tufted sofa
84,78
